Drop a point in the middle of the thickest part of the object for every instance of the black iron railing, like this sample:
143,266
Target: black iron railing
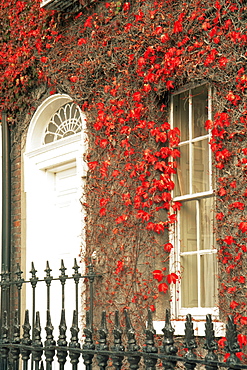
28,350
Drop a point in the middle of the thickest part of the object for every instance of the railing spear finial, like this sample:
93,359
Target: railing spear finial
61,354
168,342
37,344
231,342
117,359
74,342
50,352
26,339
16,338
149,347
189,343
210,344
132,345
88,344
102,346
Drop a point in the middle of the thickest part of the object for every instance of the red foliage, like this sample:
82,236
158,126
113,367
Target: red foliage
119,61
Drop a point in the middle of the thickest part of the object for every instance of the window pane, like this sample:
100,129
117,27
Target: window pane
199,111
181,114
200,176
188,227
208,280
189,292
182,180
207,219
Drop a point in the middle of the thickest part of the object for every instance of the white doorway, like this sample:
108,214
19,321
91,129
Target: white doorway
54,178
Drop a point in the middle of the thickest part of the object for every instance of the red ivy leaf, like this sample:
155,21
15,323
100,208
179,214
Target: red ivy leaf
241,279
158,275
233,305
81,41
240,355
243,320
158,228
242,340
93,165
102,212
103,201
243,227
229,240
119,268
163,287
121,219
168,247
222,192
227,355
172,218
73,79
222,342
219,216
43,59
172,278
115,173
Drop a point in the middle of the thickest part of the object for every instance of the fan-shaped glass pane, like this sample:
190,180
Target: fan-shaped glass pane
65,122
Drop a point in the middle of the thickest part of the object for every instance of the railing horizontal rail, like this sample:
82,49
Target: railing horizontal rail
15,282
126,354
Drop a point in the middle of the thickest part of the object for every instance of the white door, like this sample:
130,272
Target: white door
66,213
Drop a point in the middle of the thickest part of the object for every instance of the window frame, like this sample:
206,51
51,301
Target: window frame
179,312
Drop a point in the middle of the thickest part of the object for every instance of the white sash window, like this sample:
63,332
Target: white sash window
194,252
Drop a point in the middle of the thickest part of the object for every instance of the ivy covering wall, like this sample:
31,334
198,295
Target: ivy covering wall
120,61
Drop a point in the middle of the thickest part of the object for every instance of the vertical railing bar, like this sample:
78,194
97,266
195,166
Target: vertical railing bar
132,346
88,343
49,352
3,298
4,340
76,277
19,283
210,344
8,296
33,280
117,359
150,362
26,341
102,345
61,354
36,342
232,343
189,343
48,279
74,342
91,277
16,340
168,347
62,279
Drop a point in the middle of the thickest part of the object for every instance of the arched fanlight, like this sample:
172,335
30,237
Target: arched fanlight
65,122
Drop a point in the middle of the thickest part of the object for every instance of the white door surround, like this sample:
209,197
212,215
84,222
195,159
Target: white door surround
54,176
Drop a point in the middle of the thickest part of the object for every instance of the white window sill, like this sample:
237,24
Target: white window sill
199,327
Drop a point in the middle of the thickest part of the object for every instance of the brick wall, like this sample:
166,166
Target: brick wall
16,185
